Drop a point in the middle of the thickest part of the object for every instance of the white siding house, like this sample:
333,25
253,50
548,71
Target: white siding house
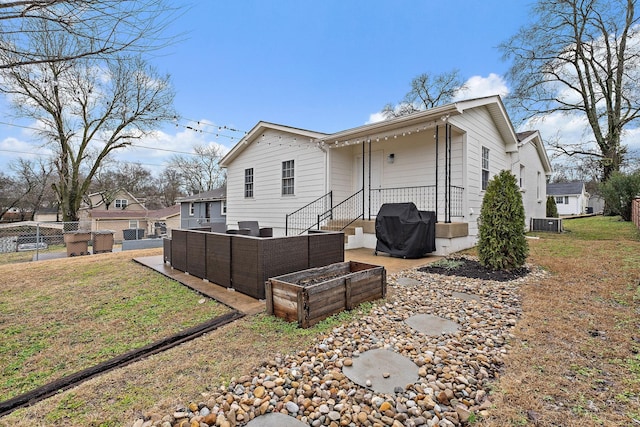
571,197
439,159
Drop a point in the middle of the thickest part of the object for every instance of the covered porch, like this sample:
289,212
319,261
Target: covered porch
422,162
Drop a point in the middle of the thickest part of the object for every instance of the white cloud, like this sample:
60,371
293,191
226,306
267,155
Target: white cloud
161,145
12,149
375,118
478,87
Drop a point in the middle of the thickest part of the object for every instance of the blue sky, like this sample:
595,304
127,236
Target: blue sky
321,65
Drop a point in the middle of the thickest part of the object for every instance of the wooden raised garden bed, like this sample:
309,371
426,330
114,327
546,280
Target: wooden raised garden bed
312,295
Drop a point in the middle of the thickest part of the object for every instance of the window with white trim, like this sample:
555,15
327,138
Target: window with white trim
121,203
133,223
248,183
562,200
192,209
485,167
223,207
288,178
521,177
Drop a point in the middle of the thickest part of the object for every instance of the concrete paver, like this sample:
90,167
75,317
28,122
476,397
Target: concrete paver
382,370
275,419
432,325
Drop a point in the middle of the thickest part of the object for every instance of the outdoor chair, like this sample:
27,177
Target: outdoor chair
254,229
218,227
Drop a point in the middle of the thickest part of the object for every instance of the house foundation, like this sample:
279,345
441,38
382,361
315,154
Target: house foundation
450,237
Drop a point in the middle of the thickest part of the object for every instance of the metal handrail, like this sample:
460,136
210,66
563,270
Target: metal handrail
349,210
303,218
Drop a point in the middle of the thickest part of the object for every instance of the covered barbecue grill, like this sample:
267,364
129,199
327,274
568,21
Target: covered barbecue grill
404,231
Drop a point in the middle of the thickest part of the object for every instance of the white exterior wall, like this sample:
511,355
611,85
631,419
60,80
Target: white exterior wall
268,205
577,205
480,132
534,187
341,172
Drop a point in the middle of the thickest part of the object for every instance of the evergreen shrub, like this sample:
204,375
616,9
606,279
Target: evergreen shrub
501,243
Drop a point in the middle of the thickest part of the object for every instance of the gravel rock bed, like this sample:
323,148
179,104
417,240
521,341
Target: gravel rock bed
455,369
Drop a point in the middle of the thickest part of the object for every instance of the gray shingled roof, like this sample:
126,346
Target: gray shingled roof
565,188
217,194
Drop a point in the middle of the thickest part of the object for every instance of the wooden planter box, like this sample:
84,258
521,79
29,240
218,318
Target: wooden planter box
310,296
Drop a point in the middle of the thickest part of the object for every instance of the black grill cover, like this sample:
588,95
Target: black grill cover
404,231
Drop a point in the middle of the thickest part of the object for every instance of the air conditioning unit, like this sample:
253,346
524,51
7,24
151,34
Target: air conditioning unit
546,224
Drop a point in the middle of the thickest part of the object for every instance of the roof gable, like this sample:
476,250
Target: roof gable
257,132
565,188
533,137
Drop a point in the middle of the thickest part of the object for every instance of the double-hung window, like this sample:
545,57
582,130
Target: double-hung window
288,178
248,183
485,167
121,203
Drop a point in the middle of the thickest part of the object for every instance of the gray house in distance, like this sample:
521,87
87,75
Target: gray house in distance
203,209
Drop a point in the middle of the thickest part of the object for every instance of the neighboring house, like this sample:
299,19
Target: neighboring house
47,215
440,159
203,208
123,200
571,197
152,223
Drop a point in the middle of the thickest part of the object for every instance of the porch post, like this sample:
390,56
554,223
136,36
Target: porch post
448,201
436,136
369,198
363,180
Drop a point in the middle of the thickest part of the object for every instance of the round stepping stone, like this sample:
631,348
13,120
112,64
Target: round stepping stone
432,325
382,371
407,281
275,419
465,296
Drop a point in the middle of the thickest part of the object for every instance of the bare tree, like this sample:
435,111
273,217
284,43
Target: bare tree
427,91
27,188
35,178
111,178
580,57
98,28
170,184
86,108
10,193
202,171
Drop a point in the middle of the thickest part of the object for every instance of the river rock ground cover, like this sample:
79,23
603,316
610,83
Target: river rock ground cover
453,377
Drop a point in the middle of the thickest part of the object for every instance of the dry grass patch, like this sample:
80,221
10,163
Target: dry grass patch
61,316
576,360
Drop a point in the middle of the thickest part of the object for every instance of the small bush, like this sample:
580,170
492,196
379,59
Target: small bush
502,244
619,191
552,208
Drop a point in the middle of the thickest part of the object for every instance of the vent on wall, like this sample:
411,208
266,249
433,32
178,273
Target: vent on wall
546,224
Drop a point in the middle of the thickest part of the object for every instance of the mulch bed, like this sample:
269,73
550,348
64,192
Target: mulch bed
470,268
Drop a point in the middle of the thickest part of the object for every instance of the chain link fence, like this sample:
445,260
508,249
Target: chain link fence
34,241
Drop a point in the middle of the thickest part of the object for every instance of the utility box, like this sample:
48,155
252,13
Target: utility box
77,242
102,241
547,224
